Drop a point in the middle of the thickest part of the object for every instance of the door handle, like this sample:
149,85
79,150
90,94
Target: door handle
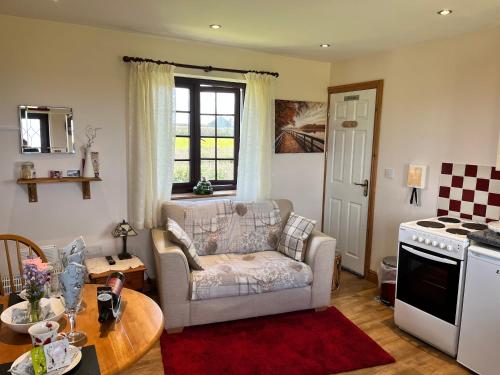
365,187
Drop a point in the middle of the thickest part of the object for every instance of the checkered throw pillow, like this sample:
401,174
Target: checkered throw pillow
179,236
294,236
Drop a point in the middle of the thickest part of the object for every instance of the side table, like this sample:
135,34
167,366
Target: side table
99,270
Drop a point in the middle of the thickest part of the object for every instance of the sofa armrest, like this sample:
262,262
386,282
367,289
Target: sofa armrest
172,270
320,256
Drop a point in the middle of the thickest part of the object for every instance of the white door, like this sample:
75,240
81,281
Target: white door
350,139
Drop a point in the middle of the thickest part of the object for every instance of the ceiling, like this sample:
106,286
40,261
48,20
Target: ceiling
287,27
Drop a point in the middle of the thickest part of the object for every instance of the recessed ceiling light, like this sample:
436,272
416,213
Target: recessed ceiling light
215,26
445,12
324,45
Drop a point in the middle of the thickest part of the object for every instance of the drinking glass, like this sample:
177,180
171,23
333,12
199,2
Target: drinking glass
71,299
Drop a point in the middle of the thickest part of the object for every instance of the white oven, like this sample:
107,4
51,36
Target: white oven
429,288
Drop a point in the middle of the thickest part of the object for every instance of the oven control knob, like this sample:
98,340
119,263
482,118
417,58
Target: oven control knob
420,239
427,241
449,248
434,243
442,245
414,237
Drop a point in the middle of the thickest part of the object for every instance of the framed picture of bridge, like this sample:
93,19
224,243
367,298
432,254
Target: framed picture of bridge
299,126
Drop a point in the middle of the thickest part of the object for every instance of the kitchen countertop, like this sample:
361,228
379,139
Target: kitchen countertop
486,236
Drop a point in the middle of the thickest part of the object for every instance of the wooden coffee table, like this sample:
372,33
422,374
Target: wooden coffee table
118,344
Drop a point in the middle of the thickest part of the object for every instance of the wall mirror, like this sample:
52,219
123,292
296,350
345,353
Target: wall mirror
46,130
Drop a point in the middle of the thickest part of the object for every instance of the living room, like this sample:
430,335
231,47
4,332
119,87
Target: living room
434,79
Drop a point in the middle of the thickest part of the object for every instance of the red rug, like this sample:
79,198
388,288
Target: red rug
298,343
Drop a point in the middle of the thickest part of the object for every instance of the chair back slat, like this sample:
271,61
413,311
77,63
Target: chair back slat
19,262
9,264
32,248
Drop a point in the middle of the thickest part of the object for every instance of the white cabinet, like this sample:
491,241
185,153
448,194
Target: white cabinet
479,344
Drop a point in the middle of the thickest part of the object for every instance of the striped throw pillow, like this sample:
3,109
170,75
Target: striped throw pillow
294,237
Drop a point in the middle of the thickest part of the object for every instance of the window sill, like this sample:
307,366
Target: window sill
217,194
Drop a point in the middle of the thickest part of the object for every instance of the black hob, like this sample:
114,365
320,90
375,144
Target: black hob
459,231
475,226
430,224
447,219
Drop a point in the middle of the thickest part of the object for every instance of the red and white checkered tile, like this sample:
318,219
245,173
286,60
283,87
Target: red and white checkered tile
469,192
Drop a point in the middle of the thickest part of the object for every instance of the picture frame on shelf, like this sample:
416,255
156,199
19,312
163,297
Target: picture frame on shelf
73,173
55,174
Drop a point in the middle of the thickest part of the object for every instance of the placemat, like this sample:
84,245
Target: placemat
14,298
87,366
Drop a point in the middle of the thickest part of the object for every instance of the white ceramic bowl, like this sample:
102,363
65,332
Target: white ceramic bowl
494,226
6,317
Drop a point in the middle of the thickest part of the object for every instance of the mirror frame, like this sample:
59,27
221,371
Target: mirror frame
71,136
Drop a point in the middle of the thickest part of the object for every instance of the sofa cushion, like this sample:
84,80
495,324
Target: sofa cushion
228,275
224,227
176,210
294,236
179,236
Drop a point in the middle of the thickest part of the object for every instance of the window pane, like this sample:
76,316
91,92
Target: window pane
182,123
225,103
207,102
181,99
225,147
31,133
207,146
225,126
207,124
182,147
225,169
181,171
208,169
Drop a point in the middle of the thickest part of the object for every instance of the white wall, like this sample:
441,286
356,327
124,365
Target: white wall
47,63
441,103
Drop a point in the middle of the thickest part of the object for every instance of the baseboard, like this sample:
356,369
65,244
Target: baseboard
372,277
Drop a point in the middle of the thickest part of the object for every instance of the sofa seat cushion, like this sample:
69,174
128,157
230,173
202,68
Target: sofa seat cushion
229,275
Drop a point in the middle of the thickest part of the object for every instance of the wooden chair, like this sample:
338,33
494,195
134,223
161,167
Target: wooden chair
32,248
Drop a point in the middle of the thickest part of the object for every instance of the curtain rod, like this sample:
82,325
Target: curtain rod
207,68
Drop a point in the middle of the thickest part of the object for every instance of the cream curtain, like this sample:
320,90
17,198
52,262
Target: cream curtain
151,137
256,139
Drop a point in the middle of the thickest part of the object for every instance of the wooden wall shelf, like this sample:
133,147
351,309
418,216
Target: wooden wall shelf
33,182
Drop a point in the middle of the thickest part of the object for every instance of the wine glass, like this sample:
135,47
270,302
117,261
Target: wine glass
71,298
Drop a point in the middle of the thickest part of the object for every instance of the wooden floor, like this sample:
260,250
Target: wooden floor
356,300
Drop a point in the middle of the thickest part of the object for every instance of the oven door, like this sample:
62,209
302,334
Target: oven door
428,281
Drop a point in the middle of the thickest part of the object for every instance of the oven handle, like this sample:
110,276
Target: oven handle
428,256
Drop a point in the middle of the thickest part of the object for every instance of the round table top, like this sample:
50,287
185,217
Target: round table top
118,344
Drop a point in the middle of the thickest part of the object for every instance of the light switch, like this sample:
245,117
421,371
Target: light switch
389,173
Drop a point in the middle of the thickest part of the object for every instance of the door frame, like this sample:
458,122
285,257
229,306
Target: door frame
379,86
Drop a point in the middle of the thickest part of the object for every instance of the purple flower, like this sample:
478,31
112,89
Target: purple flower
35,280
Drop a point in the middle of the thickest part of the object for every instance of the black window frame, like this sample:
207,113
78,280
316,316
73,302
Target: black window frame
196,86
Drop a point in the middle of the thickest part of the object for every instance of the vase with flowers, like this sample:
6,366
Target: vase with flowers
35,275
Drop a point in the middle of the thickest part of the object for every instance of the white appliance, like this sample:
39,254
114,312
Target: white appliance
478,348
430,279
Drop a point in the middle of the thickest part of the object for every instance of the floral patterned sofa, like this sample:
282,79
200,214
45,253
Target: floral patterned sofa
243,275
